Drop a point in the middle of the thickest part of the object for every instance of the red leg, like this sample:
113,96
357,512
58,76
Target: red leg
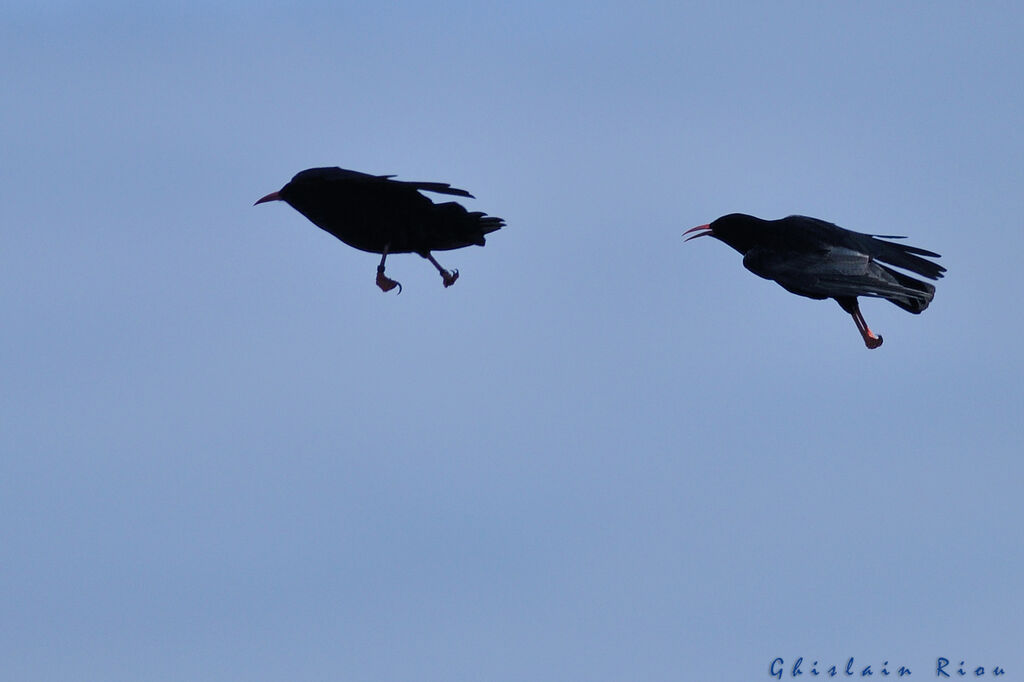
871,340
447,277
385,283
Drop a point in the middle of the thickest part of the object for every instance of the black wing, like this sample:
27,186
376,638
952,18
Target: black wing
898,255
355,177
837,272
438,187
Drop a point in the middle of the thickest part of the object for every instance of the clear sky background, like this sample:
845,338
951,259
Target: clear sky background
603,454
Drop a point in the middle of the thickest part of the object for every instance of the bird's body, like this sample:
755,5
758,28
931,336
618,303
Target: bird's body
377,214
819,260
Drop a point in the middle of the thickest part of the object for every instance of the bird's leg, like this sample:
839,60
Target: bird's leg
447,277
871,340
385,283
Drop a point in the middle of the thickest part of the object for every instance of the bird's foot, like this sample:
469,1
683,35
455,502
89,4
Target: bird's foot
873,341
449,277
386,283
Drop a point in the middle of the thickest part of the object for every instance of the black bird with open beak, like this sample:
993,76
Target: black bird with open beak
377,214
819,260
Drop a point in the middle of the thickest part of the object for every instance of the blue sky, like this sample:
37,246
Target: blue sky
602,454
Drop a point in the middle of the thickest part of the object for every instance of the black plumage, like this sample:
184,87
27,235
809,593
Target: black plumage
377,214
819,260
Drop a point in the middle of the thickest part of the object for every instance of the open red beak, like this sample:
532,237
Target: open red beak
706,233
273,196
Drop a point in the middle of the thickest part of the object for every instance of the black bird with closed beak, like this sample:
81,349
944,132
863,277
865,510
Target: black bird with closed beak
377,214
819,260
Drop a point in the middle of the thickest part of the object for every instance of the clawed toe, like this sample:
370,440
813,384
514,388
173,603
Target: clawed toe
386,283
449,277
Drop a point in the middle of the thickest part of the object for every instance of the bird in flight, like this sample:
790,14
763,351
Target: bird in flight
819,260
377,214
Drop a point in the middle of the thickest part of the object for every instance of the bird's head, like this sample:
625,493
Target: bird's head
738,230
306,183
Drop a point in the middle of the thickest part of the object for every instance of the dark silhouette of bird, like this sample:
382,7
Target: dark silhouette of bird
819,260
377,214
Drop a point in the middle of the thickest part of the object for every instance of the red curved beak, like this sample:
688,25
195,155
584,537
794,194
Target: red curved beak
707,232
273,196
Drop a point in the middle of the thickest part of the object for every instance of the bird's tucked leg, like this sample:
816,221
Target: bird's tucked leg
385,283
871,340
447,277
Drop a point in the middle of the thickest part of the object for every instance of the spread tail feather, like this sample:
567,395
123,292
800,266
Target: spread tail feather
454,227
489,223
916,295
